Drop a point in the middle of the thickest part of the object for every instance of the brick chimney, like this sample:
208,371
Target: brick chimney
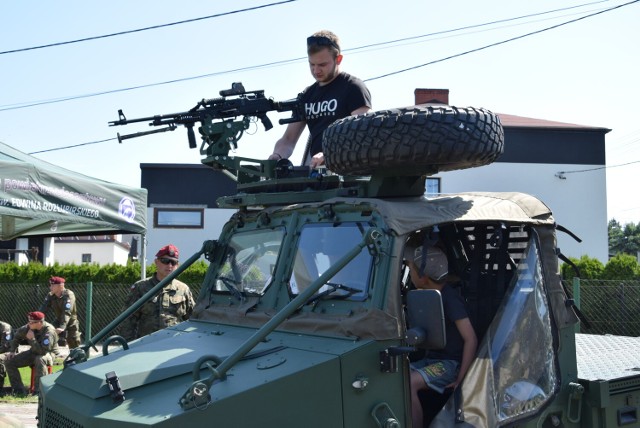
432,96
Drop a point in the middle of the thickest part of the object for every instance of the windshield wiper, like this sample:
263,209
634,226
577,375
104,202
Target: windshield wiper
333,287
230,284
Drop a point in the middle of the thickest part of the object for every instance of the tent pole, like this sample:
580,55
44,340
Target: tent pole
143,255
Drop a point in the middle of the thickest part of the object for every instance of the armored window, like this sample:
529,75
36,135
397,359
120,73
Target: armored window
319,247
249,262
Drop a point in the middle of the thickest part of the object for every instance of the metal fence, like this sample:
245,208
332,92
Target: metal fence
16,300
609,307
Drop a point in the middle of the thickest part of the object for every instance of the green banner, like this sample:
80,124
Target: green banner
41,199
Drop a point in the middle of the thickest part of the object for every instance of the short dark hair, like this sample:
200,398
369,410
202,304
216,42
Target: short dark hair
323,39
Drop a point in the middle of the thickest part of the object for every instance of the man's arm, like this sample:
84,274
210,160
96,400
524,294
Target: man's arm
69,301
285,145
318,158
469,349
361,110
129,327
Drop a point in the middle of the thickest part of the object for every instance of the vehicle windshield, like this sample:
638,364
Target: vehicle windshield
320,245
249,262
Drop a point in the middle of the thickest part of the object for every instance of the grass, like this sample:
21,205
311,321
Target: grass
25,375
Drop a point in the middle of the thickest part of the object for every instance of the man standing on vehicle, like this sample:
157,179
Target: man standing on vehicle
63,303
334,95
43,346
170,306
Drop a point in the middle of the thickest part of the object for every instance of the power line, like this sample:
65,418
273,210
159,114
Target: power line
378,77
148,85
469,27
153,27
72,146
500,42
16,106
597,168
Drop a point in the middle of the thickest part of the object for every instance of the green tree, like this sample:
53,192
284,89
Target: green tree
622,266
624,238
589,267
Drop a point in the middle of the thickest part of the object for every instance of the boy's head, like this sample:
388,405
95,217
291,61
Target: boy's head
432,264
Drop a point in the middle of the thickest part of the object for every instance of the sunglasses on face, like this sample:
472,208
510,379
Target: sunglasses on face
168,262
34,322
321,41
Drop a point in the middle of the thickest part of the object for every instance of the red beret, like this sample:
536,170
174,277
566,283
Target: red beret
169,251
35,316
56,280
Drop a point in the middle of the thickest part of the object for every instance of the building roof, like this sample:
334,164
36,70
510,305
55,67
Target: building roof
512,121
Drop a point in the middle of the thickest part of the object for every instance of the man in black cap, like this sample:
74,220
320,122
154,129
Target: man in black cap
172,305
43,346
63,302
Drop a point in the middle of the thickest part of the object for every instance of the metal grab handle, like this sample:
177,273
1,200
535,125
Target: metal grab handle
206,359
575,394
121,340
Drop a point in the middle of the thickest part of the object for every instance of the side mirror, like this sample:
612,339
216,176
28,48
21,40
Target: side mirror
426,320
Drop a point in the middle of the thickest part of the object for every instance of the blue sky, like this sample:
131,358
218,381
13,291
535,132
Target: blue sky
583,73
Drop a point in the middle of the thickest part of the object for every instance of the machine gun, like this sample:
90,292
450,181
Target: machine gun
220,128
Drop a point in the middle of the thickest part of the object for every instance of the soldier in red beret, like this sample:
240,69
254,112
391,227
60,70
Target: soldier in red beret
63,302
172,305
43,342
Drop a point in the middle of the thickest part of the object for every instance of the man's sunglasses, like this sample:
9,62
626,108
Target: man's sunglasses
321,41
168,262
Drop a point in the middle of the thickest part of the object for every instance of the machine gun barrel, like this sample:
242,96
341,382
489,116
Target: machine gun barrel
140,134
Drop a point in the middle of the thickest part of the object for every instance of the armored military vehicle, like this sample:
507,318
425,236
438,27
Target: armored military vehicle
307,316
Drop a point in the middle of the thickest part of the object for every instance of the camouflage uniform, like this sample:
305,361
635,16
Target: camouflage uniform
6,334
44,346
66,317
172,305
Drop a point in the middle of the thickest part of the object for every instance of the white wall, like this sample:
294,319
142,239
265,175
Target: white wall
579,202
188,241
101,252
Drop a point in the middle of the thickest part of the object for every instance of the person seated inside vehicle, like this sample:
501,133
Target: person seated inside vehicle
440,370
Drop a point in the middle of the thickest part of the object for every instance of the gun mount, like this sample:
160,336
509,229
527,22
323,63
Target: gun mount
222,122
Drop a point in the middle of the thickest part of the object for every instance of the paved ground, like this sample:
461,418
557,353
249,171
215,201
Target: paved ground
18,415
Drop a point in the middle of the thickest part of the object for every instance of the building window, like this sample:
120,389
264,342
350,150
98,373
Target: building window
86,258
433,186
178,218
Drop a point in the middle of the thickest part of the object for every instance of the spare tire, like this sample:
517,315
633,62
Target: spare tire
413,140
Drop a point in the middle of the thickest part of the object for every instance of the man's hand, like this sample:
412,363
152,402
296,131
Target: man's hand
30,335
59,330
317,160
9,355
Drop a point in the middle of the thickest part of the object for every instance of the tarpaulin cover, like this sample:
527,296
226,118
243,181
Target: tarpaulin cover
41,199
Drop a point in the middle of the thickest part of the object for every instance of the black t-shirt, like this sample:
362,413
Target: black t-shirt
323,105
454,310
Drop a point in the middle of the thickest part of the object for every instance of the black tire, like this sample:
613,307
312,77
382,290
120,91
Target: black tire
413,140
